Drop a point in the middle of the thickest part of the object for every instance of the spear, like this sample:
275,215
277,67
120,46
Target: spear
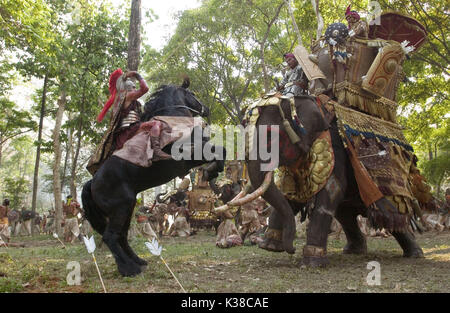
156,249
90,245
315,4
311,70
55,235
2,242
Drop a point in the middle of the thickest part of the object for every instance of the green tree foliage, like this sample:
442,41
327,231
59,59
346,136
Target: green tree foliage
219,47
17,170
24,23
13,123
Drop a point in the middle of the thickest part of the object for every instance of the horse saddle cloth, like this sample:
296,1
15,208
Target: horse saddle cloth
138,149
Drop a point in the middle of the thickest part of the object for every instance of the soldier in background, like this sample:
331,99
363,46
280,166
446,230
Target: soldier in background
71,228
4,223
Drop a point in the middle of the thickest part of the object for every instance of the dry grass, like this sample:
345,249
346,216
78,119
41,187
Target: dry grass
202,267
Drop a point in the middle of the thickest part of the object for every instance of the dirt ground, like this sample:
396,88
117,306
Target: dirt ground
43,266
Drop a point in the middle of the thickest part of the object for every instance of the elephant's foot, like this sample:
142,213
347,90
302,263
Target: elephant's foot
356,248
416,253
288,236
272,241
314,256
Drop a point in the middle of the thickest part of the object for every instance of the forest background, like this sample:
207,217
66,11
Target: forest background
63,52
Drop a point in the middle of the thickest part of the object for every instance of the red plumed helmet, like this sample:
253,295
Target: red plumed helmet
112,91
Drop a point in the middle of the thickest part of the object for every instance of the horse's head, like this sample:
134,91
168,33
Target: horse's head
174,101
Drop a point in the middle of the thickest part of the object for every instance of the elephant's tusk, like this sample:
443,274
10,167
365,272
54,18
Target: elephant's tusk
240,200
225,207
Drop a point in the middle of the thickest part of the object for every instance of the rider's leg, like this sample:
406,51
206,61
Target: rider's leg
155,133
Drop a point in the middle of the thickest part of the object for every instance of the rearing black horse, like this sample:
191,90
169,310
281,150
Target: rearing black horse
110,196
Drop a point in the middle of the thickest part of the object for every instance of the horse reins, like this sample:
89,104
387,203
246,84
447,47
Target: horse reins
181,106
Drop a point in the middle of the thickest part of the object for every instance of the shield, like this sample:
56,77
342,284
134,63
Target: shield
399,27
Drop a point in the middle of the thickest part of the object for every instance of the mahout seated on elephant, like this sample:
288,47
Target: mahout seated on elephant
110,196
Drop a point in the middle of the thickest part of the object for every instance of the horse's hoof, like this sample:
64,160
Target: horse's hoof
416,253
130,271
314,261
355,249
271,245
141,262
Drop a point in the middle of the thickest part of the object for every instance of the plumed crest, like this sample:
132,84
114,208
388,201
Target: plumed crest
113,80
347,12
112,91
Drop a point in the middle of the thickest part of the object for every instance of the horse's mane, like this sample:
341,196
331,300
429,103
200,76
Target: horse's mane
158,98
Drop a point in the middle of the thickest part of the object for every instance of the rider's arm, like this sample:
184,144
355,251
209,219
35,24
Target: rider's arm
143,88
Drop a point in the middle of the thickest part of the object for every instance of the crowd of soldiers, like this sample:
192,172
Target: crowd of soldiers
23,222
160,219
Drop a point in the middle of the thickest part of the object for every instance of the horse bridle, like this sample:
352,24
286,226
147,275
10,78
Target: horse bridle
184,107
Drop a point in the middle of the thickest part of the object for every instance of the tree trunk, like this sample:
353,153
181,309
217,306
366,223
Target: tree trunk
56,171
134,36
297,31
38,151
73,185
68,154
1,150
262,49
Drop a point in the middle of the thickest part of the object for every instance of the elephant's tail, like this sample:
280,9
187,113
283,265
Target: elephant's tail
91,211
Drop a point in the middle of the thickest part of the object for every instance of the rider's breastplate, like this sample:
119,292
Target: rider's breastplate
131,118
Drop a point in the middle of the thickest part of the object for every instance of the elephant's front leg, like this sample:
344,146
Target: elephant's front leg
320,218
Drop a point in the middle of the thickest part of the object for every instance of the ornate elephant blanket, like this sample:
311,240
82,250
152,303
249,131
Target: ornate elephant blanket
138,150
383,151
306,178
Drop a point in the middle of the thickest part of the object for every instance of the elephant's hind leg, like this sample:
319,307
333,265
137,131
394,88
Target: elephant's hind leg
356,241
409,245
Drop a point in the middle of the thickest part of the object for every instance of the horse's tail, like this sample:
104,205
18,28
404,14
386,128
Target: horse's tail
91,211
